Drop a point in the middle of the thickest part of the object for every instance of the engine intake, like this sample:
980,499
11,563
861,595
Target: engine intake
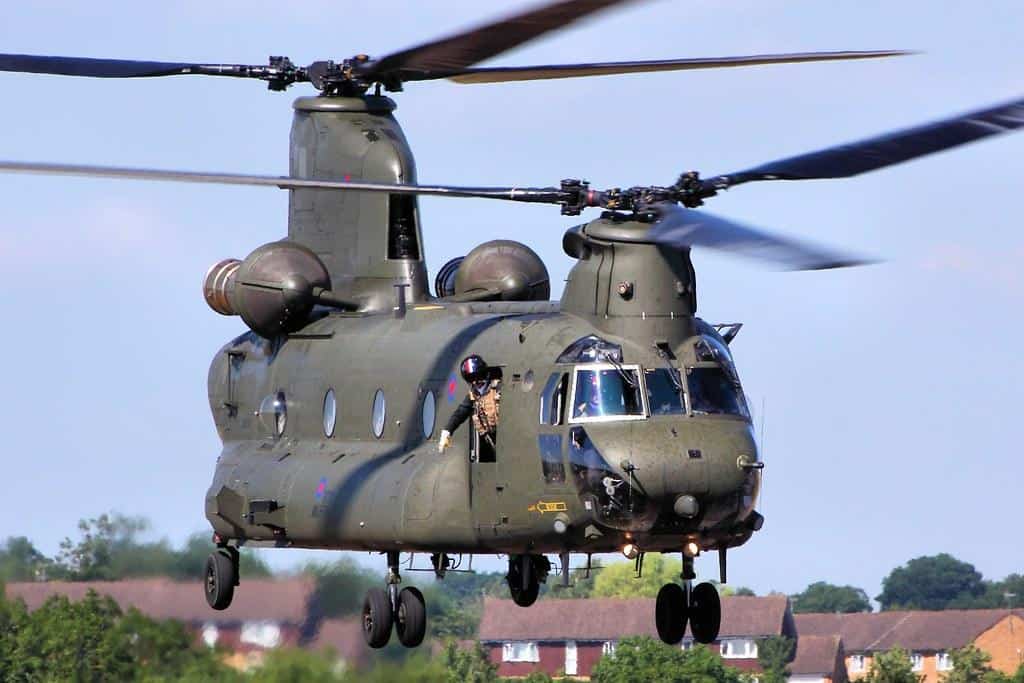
501,270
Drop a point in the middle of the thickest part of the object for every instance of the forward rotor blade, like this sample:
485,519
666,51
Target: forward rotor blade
852,159
470,47
683,228
119,68
529,73
543,195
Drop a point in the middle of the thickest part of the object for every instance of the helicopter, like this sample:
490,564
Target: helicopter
669,466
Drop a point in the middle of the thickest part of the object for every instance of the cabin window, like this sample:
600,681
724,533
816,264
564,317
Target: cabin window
520,652
330,413
403,240
552,399
429,411
607,392
273,413
713,392
664,391
380,409
551,458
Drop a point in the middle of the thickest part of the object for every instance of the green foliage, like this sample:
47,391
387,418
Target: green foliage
91,640
774,654
296,666
537,677
617,580
971,665
893,666
341,586
931,583
740,590
20,561
641,659
826,597
468,666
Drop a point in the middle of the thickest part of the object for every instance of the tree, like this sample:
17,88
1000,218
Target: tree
340,587
930,583
774,654
822,596
641,659
893,666
617,580
468,666
20,561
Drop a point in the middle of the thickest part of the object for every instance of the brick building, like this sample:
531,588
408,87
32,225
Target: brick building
269,613
570,636
929,637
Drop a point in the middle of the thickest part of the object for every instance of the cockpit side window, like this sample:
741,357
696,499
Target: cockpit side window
714,392
664,391
552,399
603,392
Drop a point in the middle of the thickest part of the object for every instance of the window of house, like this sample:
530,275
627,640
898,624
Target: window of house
687,644
522,651
916,661
265,634
739,648
943,662
571,661
608,648
856,663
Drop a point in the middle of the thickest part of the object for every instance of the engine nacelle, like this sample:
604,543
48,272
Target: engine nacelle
273,289
501,270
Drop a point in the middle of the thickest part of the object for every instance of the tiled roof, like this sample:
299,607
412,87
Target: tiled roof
283,600
912,630
344,637
816,655
614,618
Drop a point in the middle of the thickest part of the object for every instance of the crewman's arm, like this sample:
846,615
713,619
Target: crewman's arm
462,413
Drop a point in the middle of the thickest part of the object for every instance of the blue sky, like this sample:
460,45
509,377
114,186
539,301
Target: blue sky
891,392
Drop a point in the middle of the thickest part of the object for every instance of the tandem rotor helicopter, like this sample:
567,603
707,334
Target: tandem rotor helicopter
611,420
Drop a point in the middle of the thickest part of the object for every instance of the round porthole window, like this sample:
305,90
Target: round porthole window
330,413
273,413
380,410
429,412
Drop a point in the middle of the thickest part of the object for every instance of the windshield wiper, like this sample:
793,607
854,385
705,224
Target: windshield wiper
622,372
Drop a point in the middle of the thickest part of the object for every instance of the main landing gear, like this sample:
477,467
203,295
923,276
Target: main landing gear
698,604
384,608
220,577
525,574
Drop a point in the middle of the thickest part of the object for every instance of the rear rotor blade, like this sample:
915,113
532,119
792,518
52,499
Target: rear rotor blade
683,228
475,45
529,73
852,159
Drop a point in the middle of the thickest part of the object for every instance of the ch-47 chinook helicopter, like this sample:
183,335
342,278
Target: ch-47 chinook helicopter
623,425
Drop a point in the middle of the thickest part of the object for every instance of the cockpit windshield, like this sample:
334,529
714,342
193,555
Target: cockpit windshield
714,392
607,391
664,391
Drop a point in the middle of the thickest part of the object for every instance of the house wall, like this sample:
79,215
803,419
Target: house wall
928,667
1005,643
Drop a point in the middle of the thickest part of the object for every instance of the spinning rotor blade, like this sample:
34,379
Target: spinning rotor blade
470,47
852,159
128,68
683,228
530,73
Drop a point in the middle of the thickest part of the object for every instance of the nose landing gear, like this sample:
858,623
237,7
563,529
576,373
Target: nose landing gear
700,605
404,609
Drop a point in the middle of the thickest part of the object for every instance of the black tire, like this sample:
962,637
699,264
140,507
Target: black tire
524,597
705,613
411,617
670,613
220,578
524,589
377,618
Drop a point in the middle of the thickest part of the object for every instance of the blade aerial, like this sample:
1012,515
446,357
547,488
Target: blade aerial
470,47
551,71
681,228
844,161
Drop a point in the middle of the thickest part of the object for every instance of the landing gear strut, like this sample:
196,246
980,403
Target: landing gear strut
220,577
386,607
525,574
698,604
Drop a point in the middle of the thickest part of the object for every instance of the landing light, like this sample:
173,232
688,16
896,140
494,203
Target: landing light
691,549
630,551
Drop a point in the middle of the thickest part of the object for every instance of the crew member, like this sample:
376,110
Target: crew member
482,403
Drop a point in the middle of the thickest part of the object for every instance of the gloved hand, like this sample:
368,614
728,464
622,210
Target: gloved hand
445,441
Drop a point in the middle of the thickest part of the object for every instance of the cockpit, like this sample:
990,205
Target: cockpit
600,388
